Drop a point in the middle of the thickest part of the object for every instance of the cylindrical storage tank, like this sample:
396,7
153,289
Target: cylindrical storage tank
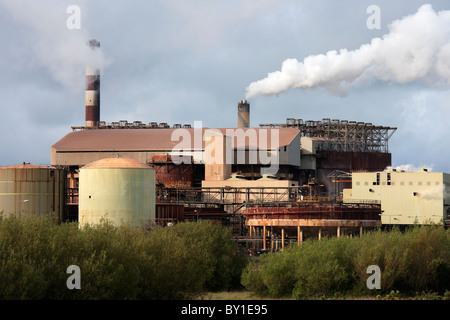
119,190
31,191
243,114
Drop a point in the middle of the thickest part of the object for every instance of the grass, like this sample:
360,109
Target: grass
393,295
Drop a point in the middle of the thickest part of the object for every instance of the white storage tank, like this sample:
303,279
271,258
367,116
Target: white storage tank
31,191
119,190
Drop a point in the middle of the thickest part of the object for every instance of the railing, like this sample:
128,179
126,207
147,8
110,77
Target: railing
228,195
319,210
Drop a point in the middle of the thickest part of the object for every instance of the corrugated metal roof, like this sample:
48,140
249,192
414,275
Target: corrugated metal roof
152,139
116,163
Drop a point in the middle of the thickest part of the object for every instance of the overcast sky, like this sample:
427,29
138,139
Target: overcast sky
180,61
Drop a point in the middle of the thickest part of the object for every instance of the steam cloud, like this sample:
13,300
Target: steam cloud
435,193
417,48
411,168
63,52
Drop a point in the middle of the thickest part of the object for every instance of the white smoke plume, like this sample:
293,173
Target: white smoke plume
417,48
435,193
64,52
411,168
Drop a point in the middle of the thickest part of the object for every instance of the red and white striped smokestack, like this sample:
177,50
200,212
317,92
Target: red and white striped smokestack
92,113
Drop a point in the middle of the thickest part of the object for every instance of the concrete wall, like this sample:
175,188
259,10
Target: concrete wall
309,148
406,197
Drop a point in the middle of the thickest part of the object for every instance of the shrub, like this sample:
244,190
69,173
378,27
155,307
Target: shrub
415,260
178,262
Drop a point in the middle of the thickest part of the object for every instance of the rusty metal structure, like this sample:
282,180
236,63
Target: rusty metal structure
343,135
280,209
167,215
272,227
315,214
169,174
342,145
31,191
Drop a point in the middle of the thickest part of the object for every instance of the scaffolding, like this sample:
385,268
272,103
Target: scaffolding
342,135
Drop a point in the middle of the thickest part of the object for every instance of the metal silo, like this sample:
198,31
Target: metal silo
31,191
119,190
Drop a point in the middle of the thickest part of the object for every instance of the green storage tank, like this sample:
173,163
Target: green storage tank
119,190
29,190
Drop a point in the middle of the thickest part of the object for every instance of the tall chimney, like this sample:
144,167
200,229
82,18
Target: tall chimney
92,113
243,114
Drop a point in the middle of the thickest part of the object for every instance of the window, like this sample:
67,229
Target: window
388,179
378,179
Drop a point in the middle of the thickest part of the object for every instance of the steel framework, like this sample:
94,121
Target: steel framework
228,195
343,135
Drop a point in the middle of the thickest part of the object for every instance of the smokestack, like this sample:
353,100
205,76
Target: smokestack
243,114
92,113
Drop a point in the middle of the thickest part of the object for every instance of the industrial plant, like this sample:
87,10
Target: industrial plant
273,184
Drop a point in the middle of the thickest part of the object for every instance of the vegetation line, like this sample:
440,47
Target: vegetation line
198,260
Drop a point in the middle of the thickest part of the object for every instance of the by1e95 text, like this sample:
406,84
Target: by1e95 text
248,309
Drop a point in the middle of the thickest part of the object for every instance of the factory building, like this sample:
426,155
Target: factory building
180,163
273,184
406,198
218,173
279,175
